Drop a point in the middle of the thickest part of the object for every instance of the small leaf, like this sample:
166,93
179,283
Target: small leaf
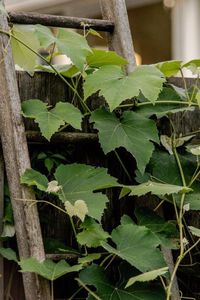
169,68
9,254
8,230
99,58
79,209
34,178
92,234
156,188
53,187
195,231
148,276
198,98
194,149
137,245
47,268
89,258
193,66
24,57
94,33
133,132
50,121
116,87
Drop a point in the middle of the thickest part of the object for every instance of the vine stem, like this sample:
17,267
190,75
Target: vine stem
84,105
123,166
52,290
157,102
87,289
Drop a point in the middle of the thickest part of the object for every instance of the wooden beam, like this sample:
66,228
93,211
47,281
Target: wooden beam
16,158
59,21
62,137
120,40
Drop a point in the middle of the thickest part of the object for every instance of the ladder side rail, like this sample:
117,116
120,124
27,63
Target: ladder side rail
17,160
120,40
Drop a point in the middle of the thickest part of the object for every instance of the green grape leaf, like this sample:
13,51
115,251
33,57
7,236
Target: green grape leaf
79,182
47,268
133,132
9,254
89,258
99,58
137,245
68,71
166,232
23,56
116,87
195,231
193,66
45,35
74,45
34,178
105,290
50,121
155,188
148,276
92,234
169,68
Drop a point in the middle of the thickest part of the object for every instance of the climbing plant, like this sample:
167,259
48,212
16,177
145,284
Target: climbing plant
130,117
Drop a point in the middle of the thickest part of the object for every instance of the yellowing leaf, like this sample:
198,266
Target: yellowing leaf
23,56
79,209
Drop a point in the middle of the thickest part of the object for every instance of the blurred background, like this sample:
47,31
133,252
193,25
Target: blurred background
161,29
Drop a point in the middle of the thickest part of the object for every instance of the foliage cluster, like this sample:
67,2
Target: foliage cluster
168,166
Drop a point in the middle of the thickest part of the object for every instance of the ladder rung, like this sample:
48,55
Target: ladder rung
59,21
61,137
58,256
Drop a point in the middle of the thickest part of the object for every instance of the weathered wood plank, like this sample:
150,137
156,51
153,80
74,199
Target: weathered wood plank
60,21
16,161
62,137
120,40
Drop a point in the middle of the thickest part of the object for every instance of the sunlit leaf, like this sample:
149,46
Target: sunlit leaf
99,58
169,68
115,86
195,231
24,57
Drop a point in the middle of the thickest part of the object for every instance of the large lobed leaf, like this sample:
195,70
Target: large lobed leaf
116,87
50,121
133,132
106,290
137,245
79,182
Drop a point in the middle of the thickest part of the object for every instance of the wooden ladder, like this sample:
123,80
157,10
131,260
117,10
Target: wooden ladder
13,137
